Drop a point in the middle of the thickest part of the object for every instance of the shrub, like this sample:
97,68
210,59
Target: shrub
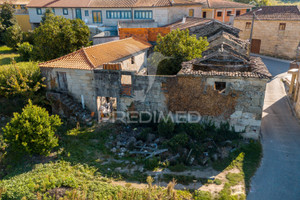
178,167
178,141
25,50
166,128
202,195
13,36
217,181
151,163
28,37
22,79
32,131
234,178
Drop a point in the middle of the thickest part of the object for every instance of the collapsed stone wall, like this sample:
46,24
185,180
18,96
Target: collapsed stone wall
240,104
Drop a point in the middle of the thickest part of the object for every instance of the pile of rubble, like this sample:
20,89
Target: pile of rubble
133,142
130,142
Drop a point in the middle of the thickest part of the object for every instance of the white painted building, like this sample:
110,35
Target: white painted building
104,14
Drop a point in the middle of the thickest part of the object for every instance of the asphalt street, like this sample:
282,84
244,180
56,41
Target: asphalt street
278,177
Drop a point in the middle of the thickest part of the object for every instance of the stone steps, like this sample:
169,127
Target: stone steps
71,108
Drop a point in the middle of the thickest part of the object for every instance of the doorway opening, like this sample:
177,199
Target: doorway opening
107,107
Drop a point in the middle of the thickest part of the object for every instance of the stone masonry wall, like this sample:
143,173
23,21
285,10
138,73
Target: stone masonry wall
241,104
274,42
80,82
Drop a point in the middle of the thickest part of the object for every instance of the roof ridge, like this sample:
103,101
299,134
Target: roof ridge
61,57
90,62
106,43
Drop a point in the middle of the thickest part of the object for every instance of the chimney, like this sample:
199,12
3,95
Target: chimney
183,19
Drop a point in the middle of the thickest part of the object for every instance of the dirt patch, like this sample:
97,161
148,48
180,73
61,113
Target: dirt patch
58,193
214,189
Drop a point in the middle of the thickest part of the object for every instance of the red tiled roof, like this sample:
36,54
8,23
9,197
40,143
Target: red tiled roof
59,3
224,4
111,3
95,56
273,13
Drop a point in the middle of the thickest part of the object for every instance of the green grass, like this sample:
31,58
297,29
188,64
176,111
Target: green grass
75,179
7,54
234,178
246,159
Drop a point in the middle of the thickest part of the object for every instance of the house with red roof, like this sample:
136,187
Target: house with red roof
107,15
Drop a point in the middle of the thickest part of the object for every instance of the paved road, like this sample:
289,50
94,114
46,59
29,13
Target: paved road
278,177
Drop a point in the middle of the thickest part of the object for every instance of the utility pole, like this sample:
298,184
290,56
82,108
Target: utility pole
251,33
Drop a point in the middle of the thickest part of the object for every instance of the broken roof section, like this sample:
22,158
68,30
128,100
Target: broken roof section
202,27
224,60
222,37
255,68
111,3
93,57
273,13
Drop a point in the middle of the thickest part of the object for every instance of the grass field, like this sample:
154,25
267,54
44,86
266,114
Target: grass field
7,55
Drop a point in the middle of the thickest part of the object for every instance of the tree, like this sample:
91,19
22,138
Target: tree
25,51
32,131
7,18
48,13
58,36
179,46
13,36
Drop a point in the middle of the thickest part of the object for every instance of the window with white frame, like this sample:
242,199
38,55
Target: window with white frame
118,14
143,14
39,11
65,11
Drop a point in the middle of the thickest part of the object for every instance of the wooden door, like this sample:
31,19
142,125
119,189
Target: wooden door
255,47
62,81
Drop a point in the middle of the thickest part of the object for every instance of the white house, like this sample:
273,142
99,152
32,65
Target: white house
105,15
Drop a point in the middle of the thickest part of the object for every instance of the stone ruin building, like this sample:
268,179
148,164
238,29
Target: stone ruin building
225,85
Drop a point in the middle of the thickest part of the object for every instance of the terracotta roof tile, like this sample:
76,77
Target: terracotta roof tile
257,70
110,3
95,56
224,4
59,3
273,13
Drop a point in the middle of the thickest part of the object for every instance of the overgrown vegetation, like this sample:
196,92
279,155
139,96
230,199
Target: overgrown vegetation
58,36
178,46
78,181
32,131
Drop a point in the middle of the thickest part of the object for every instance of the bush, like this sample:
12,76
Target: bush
32,131
178,141
28,37
13,36
178,167
202,195
166,128
25,51
151,163
22,79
